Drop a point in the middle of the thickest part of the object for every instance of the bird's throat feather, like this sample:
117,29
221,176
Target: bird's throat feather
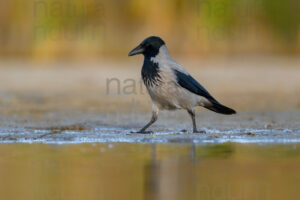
150,73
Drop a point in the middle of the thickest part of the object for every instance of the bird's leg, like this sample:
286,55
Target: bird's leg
192,114
153,119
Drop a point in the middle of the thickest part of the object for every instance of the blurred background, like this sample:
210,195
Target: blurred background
97,29
64,54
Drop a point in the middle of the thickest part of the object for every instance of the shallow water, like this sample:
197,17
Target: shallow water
171,128
149,171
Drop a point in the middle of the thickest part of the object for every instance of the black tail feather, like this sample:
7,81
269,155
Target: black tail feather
219,108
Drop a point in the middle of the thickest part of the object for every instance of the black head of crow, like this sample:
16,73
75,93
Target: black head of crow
149,47
169,85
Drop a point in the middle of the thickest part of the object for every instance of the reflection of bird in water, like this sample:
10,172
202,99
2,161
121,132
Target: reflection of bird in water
151,174
169,176
170,86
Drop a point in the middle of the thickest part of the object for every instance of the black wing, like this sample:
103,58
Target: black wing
188,82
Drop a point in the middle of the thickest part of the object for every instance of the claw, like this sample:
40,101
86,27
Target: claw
201,131
142,132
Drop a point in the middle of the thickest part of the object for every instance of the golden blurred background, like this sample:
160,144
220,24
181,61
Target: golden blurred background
94,29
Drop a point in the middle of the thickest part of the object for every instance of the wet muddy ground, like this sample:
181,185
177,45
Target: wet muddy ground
170,129
104,102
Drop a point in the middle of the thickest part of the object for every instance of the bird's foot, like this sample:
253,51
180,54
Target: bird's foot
199,131
142,132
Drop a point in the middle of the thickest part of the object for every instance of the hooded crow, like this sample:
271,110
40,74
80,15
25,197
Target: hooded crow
170,86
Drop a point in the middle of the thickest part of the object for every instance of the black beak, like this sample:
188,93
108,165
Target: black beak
138,50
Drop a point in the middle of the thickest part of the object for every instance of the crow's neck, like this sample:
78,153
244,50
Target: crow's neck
162,54
150,72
